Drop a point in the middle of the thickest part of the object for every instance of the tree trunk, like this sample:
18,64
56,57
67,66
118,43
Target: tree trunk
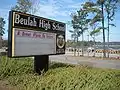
0,42
108,36
94,46
0,46
82,44
74,48
88,45
77,46
104,53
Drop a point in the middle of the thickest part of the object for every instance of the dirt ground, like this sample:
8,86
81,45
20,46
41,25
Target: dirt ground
4,85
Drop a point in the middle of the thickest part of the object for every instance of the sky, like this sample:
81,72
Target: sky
59,10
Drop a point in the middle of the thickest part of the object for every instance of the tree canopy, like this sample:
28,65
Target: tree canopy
23,6
94,13
2,24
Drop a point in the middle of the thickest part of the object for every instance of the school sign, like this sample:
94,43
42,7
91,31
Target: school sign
31,35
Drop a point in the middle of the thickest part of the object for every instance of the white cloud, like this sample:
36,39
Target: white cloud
4,13
54,8
47,9
67,1
75,5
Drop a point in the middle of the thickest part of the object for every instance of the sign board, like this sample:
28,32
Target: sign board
31,35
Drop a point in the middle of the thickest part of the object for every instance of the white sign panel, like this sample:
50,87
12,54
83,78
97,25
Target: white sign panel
29,42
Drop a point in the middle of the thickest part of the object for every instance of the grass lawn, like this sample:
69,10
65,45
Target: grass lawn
19,74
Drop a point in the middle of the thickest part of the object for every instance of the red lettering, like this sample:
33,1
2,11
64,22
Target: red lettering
37,35
26,34
18,33
32,34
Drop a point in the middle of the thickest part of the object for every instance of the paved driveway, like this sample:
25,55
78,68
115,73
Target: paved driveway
111,64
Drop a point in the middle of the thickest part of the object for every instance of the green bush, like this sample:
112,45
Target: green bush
3,53
60,76
15,66
69,78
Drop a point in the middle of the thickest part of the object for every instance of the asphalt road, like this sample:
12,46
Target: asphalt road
68,58
111,64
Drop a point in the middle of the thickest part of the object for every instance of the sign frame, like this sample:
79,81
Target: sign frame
11,36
